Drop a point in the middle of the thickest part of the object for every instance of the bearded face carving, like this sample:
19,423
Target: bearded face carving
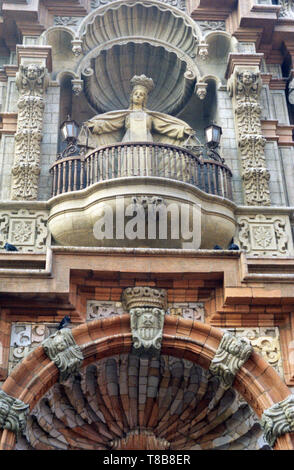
147,325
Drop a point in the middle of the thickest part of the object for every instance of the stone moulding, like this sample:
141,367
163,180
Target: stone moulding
62,349
13,413
32,81
231,354
244,87
278,420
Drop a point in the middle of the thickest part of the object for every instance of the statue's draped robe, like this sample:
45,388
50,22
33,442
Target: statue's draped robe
114,127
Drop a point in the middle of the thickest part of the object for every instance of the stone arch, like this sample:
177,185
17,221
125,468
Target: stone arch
257,381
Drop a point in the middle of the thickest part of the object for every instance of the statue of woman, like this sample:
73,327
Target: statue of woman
137,124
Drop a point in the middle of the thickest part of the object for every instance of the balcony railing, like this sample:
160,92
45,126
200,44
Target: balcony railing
141,159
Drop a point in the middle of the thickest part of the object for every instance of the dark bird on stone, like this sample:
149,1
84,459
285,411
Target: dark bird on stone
233,246
64,322
217,247
9,247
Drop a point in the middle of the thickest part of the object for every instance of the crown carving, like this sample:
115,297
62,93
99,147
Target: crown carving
144,297
143,81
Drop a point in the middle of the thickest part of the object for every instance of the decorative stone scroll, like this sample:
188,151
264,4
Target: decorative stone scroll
13,413
231,354
147,310
261,235
62,349
278,420
32,82
24,228
245,87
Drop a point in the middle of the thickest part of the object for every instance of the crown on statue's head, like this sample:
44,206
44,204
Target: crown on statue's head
144,297
142,81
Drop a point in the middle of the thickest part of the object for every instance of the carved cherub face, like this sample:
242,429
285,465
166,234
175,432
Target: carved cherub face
247,78
32,72
59,342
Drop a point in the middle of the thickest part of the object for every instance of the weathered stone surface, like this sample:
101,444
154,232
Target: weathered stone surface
278,420
13,413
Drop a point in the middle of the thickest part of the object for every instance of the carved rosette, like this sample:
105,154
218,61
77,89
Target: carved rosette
62,349
32,82
13,413
278,420
245,87
147,310
231,354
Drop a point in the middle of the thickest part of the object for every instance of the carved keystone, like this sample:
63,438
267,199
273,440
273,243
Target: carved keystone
62,349
231,354
278,420
13,413
147,310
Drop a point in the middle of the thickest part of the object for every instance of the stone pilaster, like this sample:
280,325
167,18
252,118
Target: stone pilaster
244,86
31,81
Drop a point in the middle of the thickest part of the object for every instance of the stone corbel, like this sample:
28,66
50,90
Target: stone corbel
278,420
13,413
231,354
147,310
203,51
77,86
62,349
77,47
201,90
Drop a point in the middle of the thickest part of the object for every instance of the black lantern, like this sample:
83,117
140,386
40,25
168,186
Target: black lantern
212,136
69,130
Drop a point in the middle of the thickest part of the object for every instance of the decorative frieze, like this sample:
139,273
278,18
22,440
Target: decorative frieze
32,82
261,235
245,87
97,310
62,349
181,4
24,228
278,420
208,26
24,338
189,310
231,354
13,413
266,342
67,20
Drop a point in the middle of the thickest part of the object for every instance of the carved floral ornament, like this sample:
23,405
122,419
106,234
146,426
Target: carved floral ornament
31,81
278,420
244,87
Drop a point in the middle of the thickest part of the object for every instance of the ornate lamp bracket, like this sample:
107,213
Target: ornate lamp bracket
62,349
13,413
147,310
231,354
278,420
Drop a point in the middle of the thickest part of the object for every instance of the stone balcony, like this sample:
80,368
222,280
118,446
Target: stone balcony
140,174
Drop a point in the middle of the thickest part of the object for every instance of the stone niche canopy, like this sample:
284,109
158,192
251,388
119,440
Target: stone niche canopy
123,39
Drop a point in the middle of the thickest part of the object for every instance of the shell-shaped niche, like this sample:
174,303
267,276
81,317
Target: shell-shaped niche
140,21
127,402
108,87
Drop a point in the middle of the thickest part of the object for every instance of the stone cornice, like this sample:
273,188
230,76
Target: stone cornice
8,123
273,131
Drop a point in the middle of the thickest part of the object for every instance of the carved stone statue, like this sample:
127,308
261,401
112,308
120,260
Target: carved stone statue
137,124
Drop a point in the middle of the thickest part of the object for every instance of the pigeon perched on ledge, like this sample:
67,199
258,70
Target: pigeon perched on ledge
9,247
233,246
64,322
217,247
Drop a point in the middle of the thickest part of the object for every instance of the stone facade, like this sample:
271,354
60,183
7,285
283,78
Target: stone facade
146,291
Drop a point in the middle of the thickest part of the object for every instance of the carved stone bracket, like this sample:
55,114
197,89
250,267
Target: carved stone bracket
245,87
13,413
278,420
231,354
32,82
147,310
62,349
